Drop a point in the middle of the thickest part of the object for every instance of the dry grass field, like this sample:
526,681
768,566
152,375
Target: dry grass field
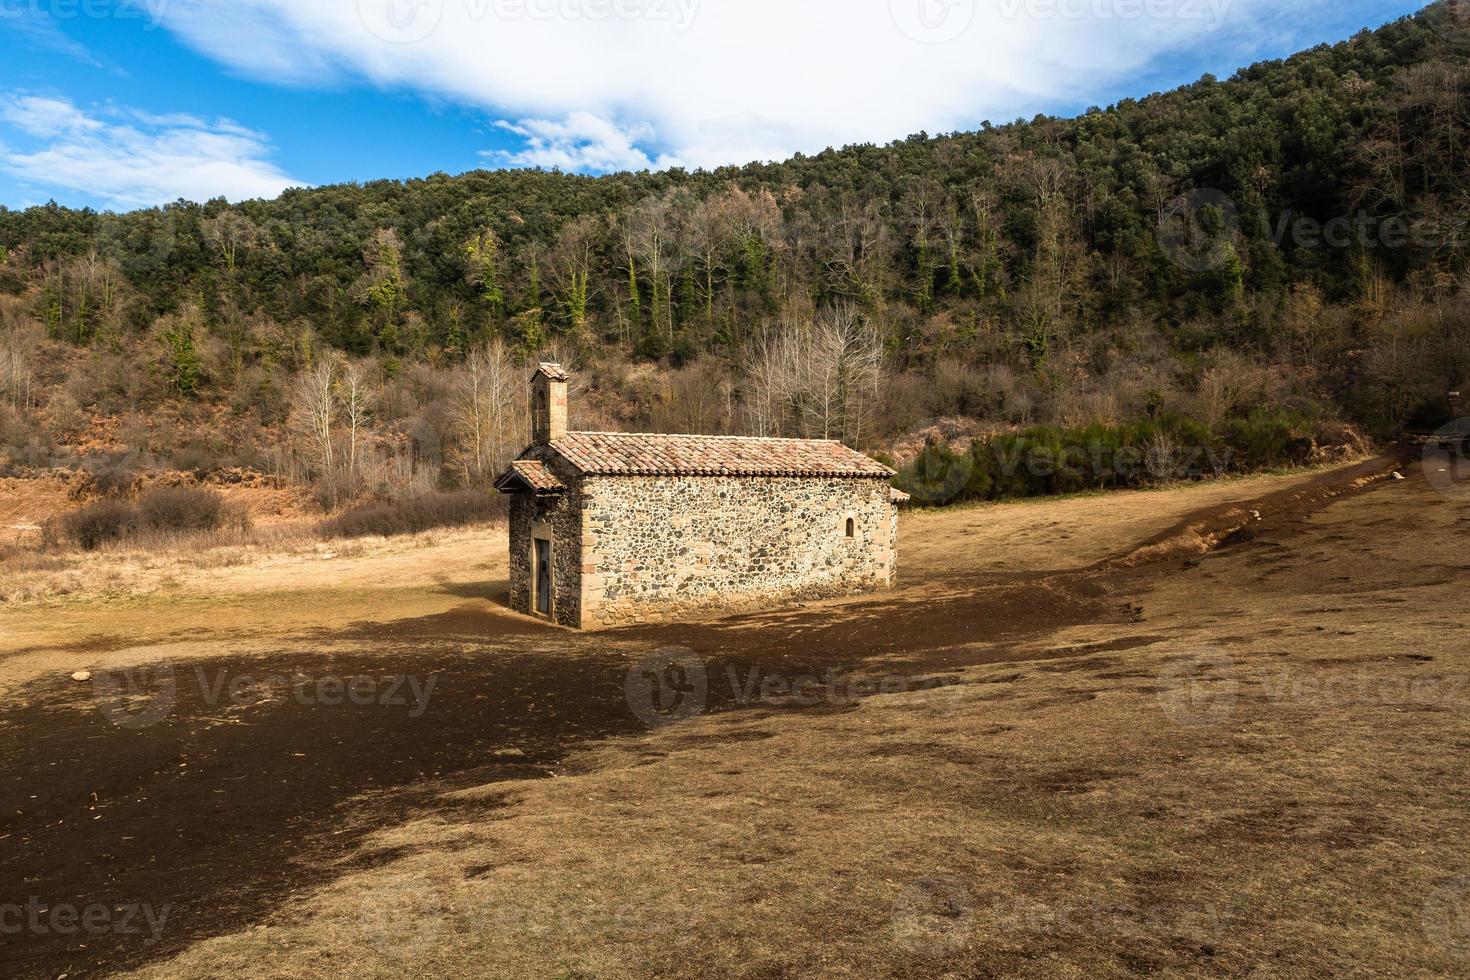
1209,730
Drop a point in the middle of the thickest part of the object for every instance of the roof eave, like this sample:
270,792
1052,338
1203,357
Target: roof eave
517,485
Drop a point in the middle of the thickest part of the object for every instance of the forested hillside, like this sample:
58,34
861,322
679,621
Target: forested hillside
1278,252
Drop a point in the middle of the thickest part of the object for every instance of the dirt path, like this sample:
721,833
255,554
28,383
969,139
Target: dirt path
213,777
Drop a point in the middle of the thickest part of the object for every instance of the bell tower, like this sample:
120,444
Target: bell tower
548,404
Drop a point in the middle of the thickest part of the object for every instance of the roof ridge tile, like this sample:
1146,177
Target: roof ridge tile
687,454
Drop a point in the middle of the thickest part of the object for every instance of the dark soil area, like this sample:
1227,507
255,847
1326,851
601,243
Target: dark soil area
213,788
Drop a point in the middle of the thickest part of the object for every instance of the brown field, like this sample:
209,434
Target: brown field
1209,730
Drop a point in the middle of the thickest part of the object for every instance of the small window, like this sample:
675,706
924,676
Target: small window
851,528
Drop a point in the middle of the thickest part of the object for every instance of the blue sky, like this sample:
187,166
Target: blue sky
118,104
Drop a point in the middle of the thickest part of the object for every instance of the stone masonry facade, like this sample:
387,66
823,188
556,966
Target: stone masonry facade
662,547
559,520
647,527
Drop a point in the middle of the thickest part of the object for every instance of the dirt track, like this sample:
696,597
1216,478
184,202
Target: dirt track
218,785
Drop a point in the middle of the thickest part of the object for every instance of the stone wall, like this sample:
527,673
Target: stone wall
661,547
561,515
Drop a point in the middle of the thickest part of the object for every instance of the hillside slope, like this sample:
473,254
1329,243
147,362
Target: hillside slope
1293,237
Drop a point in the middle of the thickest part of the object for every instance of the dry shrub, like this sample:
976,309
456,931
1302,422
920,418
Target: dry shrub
164,511
108,478
20,442
907,406
1079,408
62,416
696,398
958,388
1014,397
1161,459
454,509
183,509
99,523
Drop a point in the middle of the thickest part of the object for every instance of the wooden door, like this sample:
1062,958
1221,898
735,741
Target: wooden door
543,576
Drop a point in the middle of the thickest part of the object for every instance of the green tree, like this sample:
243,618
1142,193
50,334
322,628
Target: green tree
483,252
383,286
184,370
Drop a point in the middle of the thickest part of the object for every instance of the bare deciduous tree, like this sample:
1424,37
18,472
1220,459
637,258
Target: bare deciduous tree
922,210
713,227
653,241
771,370
843,366
985,264
314,420
485,413
17,364
693,399
819,378
858,252
356,399
569,266
84,293
230,234
1225,385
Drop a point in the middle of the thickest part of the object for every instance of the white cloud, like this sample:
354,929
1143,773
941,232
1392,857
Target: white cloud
37,27
612,83
127,158
581,142
41,115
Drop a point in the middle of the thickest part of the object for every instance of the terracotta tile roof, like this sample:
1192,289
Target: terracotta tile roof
897,496
530,473
553,371
643,454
